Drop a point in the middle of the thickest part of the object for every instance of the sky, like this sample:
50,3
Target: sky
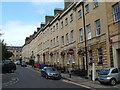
20,19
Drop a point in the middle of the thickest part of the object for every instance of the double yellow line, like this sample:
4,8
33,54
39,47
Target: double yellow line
78,84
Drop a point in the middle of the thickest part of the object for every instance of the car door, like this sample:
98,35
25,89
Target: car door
114,73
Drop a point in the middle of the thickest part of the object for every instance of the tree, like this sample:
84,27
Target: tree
5,53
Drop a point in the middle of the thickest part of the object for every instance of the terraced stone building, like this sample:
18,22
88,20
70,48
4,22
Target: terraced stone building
80,34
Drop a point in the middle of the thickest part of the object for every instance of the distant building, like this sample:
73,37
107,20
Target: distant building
17,52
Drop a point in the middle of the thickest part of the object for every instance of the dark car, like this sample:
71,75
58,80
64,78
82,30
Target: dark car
8,66
24,64
50,72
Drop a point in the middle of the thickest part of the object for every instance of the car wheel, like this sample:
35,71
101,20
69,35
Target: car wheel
112,82
46,76
12,71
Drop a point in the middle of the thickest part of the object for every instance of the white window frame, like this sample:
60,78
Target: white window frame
54,42
87,8
57,41
73,58
53,28
116,12
95,2
81,35
66,21
56,26
72,36
62,24
67,39
71,17
90,56
62,39
98,27
80,13
100,55
51,43
89,31
68,59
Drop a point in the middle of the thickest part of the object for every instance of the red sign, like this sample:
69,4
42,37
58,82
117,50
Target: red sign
71,51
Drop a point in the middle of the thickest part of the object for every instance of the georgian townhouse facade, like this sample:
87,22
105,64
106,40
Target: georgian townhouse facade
17,52
77,36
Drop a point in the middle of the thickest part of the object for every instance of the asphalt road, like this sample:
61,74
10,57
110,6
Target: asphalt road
29,78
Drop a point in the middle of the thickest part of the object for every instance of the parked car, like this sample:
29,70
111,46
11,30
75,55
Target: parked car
109,75
35,65
8,66
50,72
24,64
41,66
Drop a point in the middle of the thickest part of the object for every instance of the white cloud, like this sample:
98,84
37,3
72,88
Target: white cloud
15,32
36,1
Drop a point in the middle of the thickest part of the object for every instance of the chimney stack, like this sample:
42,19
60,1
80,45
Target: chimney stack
48,19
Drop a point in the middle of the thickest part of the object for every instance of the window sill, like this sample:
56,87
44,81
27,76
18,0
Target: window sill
72,42
95,7
79,17
71,21
116,22
66,24
99,35
86,13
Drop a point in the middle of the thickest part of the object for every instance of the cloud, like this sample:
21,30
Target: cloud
15,32
34,1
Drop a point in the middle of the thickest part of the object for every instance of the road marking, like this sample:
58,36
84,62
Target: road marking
78,84
13,81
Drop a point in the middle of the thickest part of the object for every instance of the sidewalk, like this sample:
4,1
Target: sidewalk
87,82
83,81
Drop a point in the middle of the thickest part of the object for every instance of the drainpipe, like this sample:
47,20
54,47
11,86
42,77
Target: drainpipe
85,38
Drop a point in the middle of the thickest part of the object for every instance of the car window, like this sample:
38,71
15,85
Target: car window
52,69
104,71
115,70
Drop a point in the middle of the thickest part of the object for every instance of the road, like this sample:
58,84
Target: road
25,77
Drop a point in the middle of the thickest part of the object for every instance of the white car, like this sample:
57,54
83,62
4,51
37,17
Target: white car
109,75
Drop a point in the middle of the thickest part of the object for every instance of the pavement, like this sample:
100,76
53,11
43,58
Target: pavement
86,82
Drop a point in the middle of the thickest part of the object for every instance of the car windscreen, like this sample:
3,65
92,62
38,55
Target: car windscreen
104,71
51,69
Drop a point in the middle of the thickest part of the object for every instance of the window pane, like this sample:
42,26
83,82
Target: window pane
67,40
87,8
100,55
89,31
81,35
116,11
72,35
97,27
80,13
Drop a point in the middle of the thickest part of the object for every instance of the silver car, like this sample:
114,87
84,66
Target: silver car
50,72
109,75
